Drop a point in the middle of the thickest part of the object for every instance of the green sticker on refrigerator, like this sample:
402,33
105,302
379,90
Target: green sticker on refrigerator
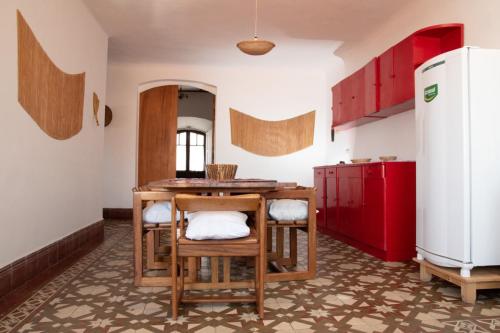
430,93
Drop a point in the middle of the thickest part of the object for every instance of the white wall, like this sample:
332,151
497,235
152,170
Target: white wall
197,104
263,92
396,135
49,188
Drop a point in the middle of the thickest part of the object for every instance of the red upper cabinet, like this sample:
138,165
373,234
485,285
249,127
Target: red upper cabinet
404,79
371,87
396,74
385,86
386,61
337,104
358,94
432,41
346,98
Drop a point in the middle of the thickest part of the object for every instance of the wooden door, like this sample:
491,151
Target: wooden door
386,79
331,200
319,183
157,133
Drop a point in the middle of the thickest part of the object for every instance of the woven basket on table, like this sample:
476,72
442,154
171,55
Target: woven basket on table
221,171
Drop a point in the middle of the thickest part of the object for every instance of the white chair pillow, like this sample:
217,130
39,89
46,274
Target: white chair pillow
217,225
159,212
288,210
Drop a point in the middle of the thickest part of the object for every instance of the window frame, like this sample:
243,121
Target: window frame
189,173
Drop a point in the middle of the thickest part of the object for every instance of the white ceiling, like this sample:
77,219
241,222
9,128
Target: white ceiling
206,31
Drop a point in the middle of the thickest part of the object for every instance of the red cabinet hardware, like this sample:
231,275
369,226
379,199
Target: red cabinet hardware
370,206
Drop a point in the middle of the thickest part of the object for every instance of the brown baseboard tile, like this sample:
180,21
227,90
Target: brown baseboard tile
17,274
117,213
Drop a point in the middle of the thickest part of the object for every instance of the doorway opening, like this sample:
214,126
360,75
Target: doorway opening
176,130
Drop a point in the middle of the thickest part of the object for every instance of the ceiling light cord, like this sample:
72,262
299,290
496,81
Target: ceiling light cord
255,21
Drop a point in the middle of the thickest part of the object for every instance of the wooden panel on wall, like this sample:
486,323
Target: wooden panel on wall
53,98
157,133
272,138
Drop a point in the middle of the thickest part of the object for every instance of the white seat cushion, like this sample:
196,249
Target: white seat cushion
159,212
288,210
217,225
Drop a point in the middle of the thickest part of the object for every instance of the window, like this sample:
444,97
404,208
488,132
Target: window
190,159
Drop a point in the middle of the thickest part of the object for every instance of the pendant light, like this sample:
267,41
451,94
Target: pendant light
255,46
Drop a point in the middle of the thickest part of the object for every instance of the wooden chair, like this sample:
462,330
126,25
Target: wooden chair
276,251
157,255
251,246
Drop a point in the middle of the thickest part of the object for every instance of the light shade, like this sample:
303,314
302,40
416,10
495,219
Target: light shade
255,46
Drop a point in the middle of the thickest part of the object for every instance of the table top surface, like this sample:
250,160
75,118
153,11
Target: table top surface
210,184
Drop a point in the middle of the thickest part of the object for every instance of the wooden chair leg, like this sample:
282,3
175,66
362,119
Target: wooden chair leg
259,278
280,242
181,279
269,239
193,268
293,246
150,249
227,270
214,269
174,302
157,239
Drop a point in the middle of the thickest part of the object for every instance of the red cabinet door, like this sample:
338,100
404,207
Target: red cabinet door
346,97
404,77
371,87
358,94
331,200
373,230
386,61
337,104
350,187
319,183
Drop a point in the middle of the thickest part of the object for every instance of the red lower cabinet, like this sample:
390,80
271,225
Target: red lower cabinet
373,226
331,201
319,183
370,206
350,201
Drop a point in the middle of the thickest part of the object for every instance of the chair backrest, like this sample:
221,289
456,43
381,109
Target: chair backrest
188,202
241,203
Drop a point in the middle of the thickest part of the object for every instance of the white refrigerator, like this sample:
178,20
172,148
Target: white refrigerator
457,108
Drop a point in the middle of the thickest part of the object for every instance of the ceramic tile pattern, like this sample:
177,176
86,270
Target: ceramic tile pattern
353,292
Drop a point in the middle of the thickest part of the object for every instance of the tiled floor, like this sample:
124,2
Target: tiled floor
353,292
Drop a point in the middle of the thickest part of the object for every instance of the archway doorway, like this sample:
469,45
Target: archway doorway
176,130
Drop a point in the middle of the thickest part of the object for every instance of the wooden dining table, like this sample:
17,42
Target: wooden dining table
197,185
269,189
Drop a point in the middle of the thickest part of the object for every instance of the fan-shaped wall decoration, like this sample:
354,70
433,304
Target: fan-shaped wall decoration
53,98
272,138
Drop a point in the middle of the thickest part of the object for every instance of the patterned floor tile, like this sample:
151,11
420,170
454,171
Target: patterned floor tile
353,292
